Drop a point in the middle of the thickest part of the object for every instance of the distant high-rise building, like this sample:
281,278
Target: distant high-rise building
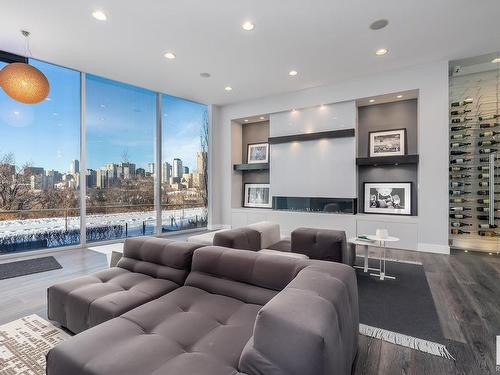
126,170
201,159
33,171
166,172
41,182
177,170
186,170
74,167
102,180
151,168
91,178
140,172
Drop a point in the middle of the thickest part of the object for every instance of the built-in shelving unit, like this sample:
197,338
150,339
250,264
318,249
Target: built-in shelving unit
342,133
251,167
387,160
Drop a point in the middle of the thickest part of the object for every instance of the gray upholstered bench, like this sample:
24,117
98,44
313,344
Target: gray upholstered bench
150,268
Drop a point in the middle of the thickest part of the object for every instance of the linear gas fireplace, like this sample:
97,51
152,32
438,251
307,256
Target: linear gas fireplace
311,204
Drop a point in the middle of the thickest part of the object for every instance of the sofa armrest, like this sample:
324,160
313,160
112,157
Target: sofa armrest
240,238
309,328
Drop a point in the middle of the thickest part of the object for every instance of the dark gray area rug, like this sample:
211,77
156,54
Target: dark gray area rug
404,305
28,267
401,311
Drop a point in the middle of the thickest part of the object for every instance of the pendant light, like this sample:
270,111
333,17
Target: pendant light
24,82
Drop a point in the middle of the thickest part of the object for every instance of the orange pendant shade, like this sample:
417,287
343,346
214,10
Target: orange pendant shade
24,83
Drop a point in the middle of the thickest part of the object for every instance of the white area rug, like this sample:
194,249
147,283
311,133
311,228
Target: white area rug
24,344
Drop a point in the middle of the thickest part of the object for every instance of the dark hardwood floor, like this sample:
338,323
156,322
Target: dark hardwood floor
465,287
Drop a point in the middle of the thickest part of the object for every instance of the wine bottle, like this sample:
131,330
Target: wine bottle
460,216
455,153
465,102
457,113
459,200
484,201
458,184
486,183
485,175
483,192
486,217
459,176
460,161
486,226
459,136
458,231
460,128
485,168
488,117
487,125
487,143
486,233
489,133
483,209
487,150
459,144
459,208
458,224
487,160
459,192
460,120
459,169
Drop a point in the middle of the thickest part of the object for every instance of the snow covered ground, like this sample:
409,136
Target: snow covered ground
133,219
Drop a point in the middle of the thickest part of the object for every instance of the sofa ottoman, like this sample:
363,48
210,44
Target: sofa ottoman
149,268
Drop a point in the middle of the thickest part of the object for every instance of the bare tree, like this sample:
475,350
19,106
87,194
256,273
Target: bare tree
204,139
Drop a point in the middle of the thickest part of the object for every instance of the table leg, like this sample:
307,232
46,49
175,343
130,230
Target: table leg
382,260
365,268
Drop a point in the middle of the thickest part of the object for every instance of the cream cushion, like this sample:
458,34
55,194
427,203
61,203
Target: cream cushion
269,233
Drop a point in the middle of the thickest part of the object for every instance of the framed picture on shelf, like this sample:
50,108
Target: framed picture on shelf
258,153
387,142
257,195
388,198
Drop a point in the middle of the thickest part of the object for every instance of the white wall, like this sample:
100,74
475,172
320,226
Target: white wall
318,168
432,82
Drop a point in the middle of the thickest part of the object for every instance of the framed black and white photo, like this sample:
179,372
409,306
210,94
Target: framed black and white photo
258,153
257,195
390,198
387,142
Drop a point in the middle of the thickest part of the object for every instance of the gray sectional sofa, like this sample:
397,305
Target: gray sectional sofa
235,312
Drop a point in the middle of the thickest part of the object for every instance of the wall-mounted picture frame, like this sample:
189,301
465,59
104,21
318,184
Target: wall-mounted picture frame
258,153
257,195
387,198
387,142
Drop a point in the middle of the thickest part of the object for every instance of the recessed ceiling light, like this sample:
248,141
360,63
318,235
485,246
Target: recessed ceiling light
379,24
399,96
205,75
372,100
99,15
228,88
293,73
262,117
16,112
246,120
169,55
496,61
381,51
248,26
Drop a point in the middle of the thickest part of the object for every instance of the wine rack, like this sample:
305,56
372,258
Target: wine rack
474,173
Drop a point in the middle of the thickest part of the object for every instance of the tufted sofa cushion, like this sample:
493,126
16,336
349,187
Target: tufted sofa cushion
188,331
248,276
150,268
322,244
240,238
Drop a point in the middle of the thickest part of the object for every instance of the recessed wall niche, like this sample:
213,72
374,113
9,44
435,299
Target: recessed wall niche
401,114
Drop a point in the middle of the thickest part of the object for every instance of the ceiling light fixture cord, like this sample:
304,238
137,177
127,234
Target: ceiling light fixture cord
27,52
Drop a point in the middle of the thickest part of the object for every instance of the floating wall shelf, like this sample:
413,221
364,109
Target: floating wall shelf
387,160
251,167
342,133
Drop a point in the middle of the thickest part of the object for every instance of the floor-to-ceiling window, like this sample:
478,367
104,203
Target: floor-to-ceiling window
39,159
120,160
184,175
43,169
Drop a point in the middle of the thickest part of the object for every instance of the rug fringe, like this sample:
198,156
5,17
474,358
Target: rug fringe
407,341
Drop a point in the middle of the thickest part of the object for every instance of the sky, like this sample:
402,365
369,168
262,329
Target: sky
121,122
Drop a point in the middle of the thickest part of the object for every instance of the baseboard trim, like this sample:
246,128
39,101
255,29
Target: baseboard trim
433,248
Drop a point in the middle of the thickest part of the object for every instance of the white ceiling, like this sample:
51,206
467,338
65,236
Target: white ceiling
324,40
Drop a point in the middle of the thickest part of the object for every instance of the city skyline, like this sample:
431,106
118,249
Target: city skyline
121,120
